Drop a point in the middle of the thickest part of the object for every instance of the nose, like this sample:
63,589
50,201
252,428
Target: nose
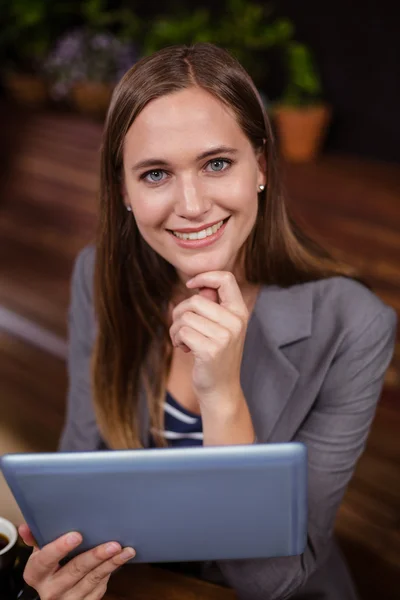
191,202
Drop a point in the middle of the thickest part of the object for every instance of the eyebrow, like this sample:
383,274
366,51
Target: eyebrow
151,162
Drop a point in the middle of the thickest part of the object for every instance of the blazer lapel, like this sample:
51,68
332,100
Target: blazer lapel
280,317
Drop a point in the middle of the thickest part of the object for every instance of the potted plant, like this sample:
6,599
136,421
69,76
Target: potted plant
87,61
301,116
84,67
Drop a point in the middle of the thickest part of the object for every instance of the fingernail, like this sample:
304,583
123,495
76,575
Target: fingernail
73,538
127,553
112,548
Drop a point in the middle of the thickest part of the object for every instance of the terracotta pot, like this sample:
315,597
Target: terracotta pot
301,131
29,90
91,98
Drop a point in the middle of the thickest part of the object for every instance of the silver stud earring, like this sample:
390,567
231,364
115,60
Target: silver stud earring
261,188
129,208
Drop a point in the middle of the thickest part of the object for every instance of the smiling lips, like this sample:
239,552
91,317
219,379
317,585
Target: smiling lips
199,239
198,235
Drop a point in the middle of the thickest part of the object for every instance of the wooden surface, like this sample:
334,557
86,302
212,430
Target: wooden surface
143,582
48,183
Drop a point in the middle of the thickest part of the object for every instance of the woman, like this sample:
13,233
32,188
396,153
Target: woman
247,331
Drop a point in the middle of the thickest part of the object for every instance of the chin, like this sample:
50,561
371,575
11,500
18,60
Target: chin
204,265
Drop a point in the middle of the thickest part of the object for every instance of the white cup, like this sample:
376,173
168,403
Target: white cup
8,553
10,532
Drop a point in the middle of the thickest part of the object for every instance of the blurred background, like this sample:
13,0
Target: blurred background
328,74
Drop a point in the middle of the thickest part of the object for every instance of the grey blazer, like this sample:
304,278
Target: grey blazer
313,368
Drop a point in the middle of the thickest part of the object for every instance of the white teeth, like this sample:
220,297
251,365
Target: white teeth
199,235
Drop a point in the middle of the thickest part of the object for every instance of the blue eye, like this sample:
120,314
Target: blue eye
219,162
152,173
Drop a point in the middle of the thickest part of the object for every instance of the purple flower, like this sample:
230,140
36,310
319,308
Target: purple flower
81,55
101,41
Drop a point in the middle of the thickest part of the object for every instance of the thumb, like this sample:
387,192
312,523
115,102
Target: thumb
209,293
27,536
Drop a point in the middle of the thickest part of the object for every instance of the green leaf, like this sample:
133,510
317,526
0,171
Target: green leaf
303,83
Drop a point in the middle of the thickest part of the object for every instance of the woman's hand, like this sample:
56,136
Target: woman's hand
214,333
85,577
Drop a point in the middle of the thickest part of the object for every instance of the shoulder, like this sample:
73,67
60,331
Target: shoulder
324,310
83,272
349,304
81,308
84,262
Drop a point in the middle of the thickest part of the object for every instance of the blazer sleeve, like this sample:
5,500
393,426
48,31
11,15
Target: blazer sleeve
335,433
80,432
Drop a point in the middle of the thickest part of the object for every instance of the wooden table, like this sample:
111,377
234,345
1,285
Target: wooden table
144,582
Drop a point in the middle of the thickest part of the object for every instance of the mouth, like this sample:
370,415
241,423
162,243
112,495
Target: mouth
199,239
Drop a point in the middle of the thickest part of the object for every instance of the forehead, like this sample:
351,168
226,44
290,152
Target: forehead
190,118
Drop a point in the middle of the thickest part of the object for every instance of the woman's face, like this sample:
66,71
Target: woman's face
188,167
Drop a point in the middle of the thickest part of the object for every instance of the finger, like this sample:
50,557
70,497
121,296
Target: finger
202,325
210,310
209,293
183,347
44,563
180,345
224,282
78,568
27,537
200,345
99,575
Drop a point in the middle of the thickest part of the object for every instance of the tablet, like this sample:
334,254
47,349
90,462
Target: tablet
170,504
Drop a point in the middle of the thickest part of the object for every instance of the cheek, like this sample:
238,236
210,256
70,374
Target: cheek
150,210
244,198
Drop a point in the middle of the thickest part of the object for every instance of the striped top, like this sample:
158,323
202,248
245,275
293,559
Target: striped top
181,427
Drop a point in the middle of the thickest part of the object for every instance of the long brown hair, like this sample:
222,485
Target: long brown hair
133,283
